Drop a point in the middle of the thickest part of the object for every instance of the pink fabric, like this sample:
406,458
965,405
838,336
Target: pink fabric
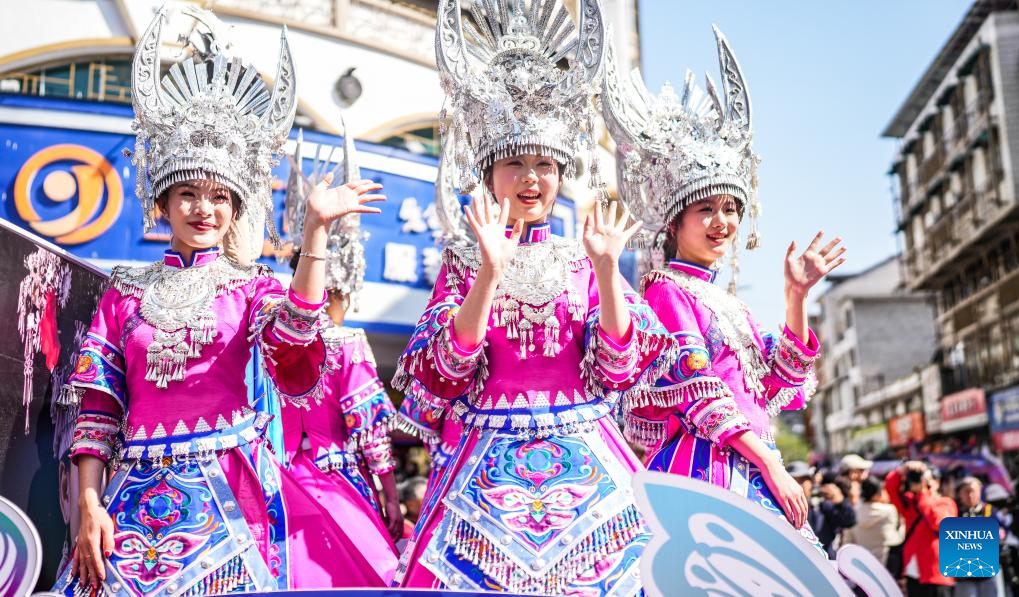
363,527
110,380
733,408
546,376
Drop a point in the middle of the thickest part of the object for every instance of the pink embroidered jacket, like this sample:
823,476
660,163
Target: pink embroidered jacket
151,393
728,376
351,425
540,367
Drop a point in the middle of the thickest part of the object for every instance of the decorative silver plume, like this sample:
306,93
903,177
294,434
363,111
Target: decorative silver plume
448,209
519,76
211,117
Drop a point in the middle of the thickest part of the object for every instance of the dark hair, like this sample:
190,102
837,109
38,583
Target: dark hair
295,258
869,488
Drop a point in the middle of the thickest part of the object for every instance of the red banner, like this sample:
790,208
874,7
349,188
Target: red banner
963,410
1006,441
905,429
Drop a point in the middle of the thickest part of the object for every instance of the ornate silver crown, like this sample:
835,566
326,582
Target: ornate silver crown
675,150
521,81
345,262
211,117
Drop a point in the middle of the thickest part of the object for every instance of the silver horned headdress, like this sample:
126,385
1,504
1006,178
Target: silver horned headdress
675,150
521,81
345,262
211,117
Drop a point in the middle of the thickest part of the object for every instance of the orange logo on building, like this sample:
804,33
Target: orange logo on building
89,179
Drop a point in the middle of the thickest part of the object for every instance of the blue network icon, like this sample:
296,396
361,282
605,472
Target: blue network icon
969,568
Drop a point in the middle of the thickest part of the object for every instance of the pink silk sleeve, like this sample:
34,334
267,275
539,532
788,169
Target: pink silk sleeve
287,329
690,395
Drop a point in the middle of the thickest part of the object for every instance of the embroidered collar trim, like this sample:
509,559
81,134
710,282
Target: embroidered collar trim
200,257
704,273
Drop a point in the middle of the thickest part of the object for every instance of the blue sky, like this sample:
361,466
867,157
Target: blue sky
825,78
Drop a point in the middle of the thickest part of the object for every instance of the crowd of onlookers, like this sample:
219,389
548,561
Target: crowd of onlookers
896,519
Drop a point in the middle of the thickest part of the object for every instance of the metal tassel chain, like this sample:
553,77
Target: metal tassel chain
178,304
537,276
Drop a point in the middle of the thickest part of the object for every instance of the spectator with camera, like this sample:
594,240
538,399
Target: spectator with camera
878,525
830,512
914,489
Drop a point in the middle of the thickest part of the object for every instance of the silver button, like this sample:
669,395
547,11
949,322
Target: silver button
537,564
565,539
206,563
505,540
213,473
172,588
475,516
596,514
433,557
455,580
242,538
229,506
106,500
115,587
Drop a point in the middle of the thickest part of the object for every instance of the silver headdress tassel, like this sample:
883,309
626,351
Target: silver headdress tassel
453,223
345,262
675,150
211,117
520,82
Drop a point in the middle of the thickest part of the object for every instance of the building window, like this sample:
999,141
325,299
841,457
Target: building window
98,79
423,141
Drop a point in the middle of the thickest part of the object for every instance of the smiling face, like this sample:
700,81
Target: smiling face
200,213
705,230
530,183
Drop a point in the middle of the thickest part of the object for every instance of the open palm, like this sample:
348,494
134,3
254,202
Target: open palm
605,234
497,250
327,204
804,271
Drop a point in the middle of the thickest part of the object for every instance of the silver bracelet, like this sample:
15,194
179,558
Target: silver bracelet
313,256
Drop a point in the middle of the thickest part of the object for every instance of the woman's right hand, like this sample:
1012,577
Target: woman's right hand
497,250
787,492
95,542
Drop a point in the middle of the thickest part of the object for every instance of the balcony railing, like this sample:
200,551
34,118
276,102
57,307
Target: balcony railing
956,227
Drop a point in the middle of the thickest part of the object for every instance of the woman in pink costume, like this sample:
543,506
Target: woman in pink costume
691,174
528,336
195,503
334,447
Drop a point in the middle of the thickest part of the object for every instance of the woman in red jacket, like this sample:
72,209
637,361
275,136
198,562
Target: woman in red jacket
914,489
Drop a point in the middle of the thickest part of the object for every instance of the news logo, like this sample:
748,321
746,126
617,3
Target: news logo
968,547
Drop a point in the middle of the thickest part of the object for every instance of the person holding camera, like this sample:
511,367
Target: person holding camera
914,489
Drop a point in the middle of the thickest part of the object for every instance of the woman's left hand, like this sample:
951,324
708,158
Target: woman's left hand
327,204
605,235
394,518
806,270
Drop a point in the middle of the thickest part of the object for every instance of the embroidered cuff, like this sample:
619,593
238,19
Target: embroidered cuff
451,361
617,361
100,367
421,413
297,321
378,455
368,414
792,360
94,434
717,420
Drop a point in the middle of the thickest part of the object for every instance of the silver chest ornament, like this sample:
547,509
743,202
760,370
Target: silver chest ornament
526,300
177,303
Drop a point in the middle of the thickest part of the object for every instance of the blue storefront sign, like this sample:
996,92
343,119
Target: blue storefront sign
65,175
1005,410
